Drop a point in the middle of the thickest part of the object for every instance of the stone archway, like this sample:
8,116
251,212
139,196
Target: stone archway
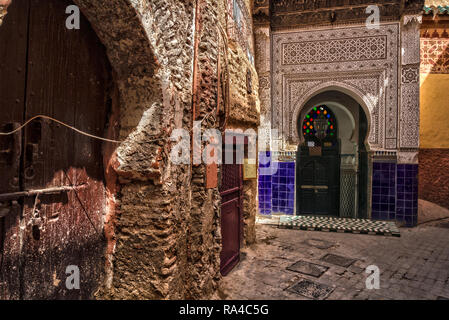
354,163
364,101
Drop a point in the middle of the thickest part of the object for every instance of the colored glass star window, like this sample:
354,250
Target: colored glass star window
319,123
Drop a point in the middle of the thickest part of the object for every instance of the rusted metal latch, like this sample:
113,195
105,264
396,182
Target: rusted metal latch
30,193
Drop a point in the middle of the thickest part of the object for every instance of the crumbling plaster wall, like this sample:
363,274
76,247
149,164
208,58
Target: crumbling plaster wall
151,53
244,110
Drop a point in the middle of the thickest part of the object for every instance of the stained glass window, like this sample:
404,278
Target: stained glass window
319,124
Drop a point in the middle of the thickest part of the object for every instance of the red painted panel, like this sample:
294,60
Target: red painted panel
231,191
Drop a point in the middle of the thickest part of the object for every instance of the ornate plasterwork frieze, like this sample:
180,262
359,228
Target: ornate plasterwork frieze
358,61
335,50
301,87
410,73
409,121
263,67
409,106
299,14
262,45
435,55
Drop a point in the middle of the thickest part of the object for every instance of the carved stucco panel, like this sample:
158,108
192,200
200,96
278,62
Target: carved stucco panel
312,86
409,108
262,41
263,67
410,39
409,121
355,58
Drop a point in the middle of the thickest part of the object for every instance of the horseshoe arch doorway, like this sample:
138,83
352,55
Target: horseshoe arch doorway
332,159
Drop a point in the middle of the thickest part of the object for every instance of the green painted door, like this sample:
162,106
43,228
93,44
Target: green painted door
318,181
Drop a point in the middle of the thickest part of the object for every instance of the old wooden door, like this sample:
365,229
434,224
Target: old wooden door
231,191
48,69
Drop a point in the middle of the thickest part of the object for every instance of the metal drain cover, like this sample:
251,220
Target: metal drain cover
338,260
310,289
308,268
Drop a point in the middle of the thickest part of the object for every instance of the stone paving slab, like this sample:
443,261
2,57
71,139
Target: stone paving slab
308,268
338,260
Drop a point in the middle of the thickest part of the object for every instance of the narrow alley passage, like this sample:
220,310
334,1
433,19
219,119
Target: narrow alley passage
413,266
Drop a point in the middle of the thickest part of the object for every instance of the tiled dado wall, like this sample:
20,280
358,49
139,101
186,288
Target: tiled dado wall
394,191
384,191
277,191
407,194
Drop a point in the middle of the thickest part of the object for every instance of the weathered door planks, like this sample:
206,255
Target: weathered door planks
13,55
68,79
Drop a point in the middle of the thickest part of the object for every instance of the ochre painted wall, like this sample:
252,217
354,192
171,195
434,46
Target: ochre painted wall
434,122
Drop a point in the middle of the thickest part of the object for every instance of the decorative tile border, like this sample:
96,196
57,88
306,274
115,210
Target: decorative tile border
344,225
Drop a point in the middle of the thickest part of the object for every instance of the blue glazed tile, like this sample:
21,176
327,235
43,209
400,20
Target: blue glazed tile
375,215
409,220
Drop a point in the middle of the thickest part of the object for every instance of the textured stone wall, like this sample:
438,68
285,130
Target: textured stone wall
204,239
244,109
152,54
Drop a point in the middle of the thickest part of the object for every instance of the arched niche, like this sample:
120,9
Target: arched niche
336,92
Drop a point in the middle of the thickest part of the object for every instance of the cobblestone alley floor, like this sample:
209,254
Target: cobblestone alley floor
413,266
